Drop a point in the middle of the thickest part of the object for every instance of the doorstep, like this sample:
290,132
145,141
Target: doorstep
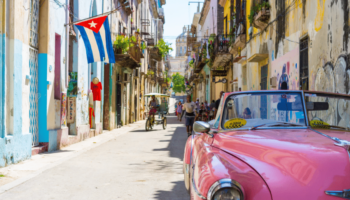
43,147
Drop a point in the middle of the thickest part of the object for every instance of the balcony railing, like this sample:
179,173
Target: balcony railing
220,44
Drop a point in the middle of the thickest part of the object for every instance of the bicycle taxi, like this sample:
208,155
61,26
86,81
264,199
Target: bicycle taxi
156,111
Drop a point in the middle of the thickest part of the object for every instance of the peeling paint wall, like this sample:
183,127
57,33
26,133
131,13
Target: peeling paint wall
325,23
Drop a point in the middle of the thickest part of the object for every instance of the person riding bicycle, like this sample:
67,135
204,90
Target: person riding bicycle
153,104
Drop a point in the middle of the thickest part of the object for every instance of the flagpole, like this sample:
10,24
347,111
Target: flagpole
96,16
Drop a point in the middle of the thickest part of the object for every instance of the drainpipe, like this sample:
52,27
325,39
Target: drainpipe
110,72
67,43
102,82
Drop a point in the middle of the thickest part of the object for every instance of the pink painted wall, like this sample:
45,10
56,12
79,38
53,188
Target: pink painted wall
286,68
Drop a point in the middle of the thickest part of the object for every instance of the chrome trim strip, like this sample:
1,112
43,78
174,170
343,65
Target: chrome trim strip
345,194
339,142
195,188
305,111
224,183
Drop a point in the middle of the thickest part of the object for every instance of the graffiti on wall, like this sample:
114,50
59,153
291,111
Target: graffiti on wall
73,84
286,69
63,110
71,110
334,78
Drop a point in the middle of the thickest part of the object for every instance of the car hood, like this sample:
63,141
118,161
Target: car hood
295,163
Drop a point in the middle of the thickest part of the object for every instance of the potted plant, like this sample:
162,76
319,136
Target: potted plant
121,44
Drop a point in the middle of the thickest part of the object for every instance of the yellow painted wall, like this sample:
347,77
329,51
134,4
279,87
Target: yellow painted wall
227,10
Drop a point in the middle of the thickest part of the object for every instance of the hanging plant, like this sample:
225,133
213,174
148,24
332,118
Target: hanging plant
191,64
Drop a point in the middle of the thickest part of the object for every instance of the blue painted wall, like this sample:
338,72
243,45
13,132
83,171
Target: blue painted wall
18,146
42,88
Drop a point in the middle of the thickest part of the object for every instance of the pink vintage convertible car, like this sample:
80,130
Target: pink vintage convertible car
281,145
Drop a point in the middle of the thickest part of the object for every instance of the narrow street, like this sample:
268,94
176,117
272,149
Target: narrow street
135,165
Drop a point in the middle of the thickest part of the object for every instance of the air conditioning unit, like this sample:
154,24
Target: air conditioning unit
126,78
119,78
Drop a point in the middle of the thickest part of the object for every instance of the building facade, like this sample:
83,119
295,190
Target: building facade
45,88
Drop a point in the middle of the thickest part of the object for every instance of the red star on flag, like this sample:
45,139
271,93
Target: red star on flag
93,24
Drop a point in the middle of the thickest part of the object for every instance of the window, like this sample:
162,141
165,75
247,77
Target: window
180,50
282,109
184,50
304,64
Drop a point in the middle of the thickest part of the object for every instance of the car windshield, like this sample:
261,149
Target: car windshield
328,111
255,110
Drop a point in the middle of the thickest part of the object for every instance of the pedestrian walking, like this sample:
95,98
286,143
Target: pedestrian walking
175,109
197,105
179,111
189,109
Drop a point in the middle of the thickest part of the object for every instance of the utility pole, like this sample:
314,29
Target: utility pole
199,3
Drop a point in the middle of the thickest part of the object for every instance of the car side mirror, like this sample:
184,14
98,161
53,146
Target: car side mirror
201,127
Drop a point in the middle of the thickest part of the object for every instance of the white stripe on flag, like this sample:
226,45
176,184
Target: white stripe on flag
103,36
93,44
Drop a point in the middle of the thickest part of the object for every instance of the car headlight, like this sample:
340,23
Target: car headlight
225,189
227,194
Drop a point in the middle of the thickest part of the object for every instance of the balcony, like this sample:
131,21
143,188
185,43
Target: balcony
219,50
199,64
161,13
131,59
126,6
154,54
261,19
150,42
240,41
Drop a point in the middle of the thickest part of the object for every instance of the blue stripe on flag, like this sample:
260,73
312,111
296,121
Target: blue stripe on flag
109,42
89,54
100,45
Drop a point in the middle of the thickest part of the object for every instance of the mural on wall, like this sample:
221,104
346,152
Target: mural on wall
71,110
63,109
334,78
72,90
286,69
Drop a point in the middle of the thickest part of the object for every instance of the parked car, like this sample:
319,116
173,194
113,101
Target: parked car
272,145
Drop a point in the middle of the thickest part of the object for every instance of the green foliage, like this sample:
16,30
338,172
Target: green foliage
168,80
256,9
124,42
143,46
164,48
191,64
178,83
204,52
212,38
150,72
138,31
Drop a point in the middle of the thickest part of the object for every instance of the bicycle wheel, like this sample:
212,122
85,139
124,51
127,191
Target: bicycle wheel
164,123
148,124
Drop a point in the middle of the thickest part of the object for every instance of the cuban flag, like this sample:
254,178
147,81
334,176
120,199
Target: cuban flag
97,39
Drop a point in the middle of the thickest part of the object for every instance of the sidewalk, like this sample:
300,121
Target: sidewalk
16,174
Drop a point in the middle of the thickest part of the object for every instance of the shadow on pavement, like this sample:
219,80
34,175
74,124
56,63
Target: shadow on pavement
177,193
177,143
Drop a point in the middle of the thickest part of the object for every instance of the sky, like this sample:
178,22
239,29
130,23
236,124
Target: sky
178,14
